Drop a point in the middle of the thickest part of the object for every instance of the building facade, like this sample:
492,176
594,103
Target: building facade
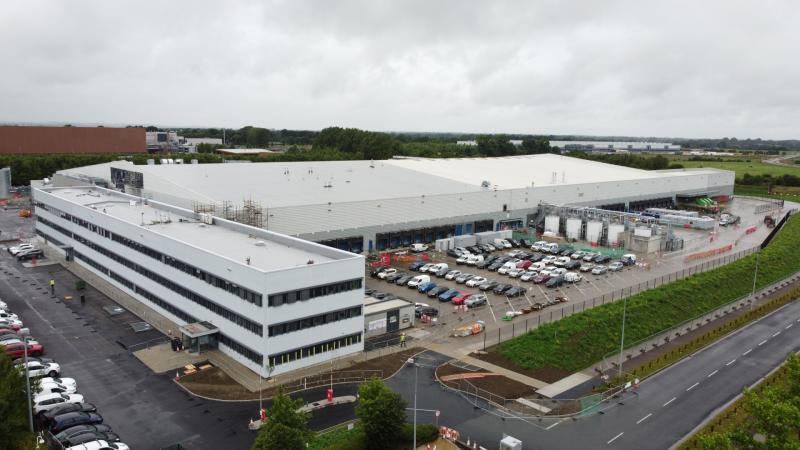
278,303
47,140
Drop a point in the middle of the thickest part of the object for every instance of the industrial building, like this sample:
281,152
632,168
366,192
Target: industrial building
612,147
69,139
374,205
389,316
272,302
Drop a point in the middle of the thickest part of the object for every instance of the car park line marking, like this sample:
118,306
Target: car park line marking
670,401
553,425
776,333
692,387
731,362
643,418
789,326
762,342
745,353
615,438
491,309
712,373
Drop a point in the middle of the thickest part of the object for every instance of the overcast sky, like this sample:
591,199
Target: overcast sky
671,68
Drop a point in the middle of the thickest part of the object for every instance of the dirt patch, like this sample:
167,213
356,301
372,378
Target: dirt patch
496,385
546,374
216,384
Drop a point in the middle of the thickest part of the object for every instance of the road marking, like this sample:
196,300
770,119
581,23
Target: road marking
776,333
712,373
789,326
692,387
615,438
643,418
551,426
672,400
731,362
745,353
762,342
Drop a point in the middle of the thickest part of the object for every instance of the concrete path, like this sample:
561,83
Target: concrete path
161,358
564,384
524,379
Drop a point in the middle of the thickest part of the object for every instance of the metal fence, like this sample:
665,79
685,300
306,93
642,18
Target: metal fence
552,314
323,379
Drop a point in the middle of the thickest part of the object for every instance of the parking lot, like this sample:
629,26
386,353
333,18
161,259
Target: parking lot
592,291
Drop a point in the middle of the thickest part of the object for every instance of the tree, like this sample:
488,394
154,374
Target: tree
382,413
13,402
286,427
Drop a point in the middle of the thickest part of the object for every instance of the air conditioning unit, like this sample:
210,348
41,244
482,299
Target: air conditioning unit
207,218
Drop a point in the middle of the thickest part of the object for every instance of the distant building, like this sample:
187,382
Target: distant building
44,140
163,141
612,147
244,151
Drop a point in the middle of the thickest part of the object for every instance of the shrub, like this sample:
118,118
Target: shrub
426,432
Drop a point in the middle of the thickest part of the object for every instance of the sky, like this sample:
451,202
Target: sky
709,68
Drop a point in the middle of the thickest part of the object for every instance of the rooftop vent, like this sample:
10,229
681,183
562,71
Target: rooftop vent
486,183
260,244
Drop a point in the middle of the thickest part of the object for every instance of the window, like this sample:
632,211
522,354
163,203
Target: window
313,321
313,292
311,350
241,349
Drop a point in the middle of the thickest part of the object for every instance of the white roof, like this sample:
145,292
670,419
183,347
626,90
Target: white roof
244,151
265,253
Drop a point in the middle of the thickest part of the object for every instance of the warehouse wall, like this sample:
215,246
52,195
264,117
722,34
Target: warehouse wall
43,140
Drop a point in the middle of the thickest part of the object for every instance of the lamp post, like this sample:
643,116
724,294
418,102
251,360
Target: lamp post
622,338
27,383
416,370
755,275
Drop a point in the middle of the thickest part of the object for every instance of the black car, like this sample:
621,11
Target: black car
491,284
64,421
536,257
395,276
484,264
453,254
554,282
389,297
402,281
515,291
66,408
426,311
494,266
416,265
434,293
90,436
602,258
35,253
79,429
525,243
566,252
514,242
379,295
475,250
369,291
501,288
374,272
572,265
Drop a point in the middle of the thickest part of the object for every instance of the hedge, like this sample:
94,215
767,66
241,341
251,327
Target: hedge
578,341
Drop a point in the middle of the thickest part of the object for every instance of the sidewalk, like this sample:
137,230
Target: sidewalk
538,384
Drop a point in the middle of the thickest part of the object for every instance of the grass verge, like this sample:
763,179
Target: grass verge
341,438
578,341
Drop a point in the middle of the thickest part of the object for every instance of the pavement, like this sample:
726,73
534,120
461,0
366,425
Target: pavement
663,410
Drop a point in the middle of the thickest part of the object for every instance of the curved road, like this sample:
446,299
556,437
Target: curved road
668,406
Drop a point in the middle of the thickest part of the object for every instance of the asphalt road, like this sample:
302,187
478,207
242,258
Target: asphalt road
668,405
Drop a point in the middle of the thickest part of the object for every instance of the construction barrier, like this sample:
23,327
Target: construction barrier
707,253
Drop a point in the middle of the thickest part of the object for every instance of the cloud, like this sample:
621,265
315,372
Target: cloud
681,68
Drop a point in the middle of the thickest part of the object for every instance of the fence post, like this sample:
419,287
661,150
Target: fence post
484,341
584,306
540,321
513,328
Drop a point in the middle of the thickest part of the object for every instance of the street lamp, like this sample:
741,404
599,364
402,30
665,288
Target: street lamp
622,338
416,370
27,382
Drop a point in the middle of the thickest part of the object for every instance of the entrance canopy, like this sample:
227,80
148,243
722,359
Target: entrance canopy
198,329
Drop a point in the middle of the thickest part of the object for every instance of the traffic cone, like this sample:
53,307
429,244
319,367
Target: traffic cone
177,376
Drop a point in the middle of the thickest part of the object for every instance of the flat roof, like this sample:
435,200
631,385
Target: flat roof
265,254
379,307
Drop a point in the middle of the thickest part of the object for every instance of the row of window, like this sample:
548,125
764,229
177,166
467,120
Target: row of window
171,285
48,238
315,349
232,344
241,292
314,321
313,292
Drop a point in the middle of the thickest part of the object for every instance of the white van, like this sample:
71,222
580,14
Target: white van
437,267
628,259
474,260
562,261
572,277
551,247
539,245
418,248
417,280
498,244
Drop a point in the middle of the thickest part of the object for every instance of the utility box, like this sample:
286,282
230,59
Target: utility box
510,443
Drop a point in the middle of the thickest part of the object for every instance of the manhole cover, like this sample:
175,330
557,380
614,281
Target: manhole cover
139,327
114,310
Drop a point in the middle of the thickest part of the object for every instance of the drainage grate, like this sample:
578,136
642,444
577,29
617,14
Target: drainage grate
139,327
114,310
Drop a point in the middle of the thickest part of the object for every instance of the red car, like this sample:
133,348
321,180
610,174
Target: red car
17,349
524,264
461,298
541,278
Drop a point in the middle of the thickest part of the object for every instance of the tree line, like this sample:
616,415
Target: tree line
657,162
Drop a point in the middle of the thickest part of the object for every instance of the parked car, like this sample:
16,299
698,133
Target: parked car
464,277
17,349
30,254
552,248
402,281
64,421
589,257
554,282
558,271
514,242
628,259
434,293
491,284
473,260
525,243
418,248
599,270
441,272
55,388
515,272
395,276
476,281
572,265
600,259
524,264
493,267
418,280
566,252
536,257
515,291
573,277
44,402
541,278
100,445
89,436
8,315
377,271
19,248
461,298
3,305
426,311
562,261
14,324
453,253
451,275
549,259
615,266
462,260
387,271
426,267
586,267
448,295
32,359
40,369
501,288
67,408
528,276
416,265
426,287
578,255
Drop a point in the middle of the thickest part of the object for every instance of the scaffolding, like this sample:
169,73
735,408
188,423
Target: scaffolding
249,212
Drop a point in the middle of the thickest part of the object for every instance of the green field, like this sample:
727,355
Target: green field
754,167
580,340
